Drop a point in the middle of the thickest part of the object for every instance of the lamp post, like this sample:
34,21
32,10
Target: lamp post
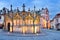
34,20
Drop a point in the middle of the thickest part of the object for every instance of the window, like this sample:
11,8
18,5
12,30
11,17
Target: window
0,17
57,20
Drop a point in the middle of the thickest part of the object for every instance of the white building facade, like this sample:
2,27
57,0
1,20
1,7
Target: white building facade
55,23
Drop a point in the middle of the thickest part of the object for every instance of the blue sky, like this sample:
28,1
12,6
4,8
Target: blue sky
52,5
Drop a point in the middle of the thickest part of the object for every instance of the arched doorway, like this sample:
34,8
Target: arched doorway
8,27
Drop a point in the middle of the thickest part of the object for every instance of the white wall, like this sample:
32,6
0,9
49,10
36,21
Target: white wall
2,19
54,23
58,20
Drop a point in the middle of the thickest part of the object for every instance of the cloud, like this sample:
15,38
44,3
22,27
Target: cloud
3,4
52,5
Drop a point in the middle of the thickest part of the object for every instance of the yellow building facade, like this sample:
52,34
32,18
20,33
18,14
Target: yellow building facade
23,22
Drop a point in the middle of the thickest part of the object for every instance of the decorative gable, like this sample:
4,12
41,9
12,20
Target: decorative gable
17,16
29,17
7,17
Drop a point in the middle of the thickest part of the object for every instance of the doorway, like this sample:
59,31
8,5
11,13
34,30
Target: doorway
8,27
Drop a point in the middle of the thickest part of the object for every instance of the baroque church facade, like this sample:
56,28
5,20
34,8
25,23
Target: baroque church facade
25,21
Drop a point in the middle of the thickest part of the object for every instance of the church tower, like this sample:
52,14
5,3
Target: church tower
47,18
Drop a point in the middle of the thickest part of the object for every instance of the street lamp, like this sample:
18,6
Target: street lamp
34,19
